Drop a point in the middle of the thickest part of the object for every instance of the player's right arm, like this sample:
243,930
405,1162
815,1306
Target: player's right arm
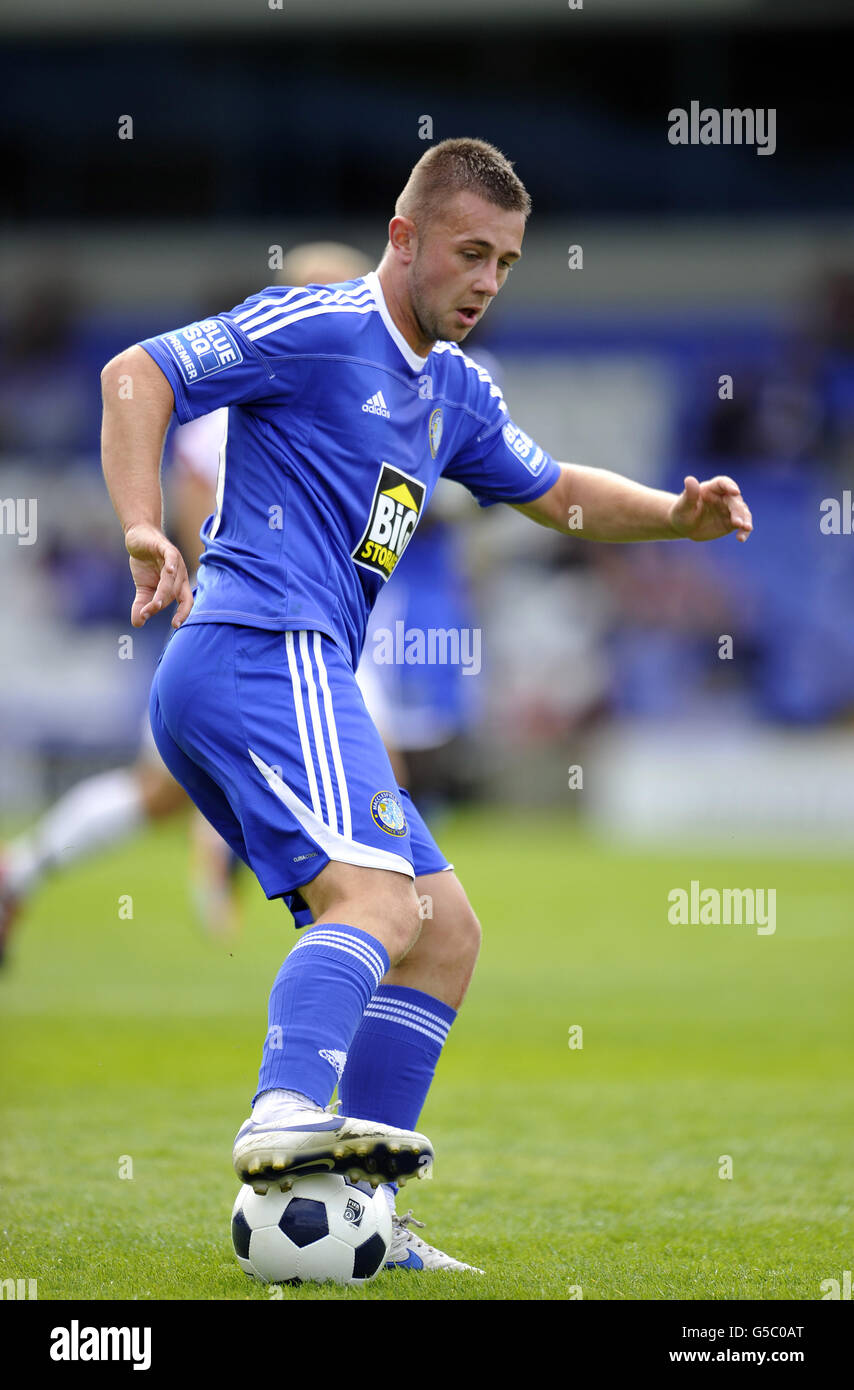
137,406
192,370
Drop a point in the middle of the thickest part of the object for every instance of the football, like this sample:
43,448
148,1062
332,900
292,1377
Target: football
323,1228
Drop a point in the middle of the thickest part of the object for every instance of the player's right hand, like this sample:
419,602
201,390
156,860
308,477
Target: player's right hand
159,573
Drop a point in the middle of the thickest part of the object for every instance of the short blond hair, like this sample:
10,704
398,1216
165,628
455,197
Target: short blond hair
461,165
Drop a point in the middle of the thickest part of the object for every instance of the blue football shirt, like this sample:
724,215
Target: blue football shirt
337,435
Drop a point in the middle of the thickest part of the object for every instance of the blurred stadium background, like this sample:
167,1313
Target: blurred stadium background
257,127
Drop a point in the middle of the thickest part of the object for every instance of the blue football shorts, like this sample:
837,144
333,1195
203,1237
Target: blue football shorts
270,736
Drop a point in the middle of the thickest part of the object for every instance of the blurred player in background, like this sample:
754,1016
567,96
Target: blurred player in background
422,711
110,807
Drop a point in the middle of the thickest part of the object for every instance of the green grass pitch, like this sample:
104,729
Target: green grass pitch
558,1169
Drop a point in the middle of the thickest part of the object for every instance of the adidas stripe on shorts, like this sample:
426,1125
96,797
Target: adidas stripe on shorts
269,734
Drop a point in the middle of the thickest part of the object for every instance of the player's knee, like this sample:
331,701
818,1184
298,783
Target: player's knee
460,937
469,933
451,924
381,903
399,921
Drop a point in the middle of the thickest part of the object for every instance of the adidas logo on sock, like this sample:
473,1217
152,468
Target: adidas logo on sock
335,1058
375,405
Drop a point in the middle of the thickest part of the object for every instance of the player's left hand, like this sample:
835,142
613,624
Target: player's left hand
705,511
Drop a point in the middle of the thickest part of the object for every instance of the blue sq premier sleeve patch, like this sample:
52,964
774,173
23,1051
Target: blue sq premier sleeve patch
201,349
523,448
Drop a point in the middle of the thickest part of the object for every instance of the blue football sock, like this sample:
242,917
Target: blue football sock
316,1004
393,1056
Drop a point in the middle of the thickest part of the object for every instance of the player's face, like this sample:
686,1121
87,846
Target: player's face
461,261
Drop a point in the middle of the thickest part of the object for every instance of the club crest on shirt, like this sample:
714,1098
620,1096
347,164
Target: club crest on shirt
434,430
395,509
387,813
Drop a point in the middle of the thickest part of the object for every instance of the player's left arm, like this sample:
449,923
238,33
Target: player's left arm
604,506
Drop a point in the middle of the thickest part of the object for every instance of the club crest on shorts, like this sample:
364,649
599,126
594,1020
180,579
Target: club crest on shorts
387,813
434,430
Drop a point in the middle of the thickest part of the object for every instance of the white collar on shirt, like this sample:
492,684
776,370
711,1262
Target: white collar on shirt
372,280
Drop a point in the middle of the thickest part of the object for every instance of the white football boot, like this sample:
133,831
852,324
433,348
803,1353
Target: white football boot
409,1251
293,1138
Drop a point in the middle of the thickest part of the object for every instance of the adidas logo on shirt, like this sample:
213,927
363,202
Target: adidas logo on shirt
375,405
